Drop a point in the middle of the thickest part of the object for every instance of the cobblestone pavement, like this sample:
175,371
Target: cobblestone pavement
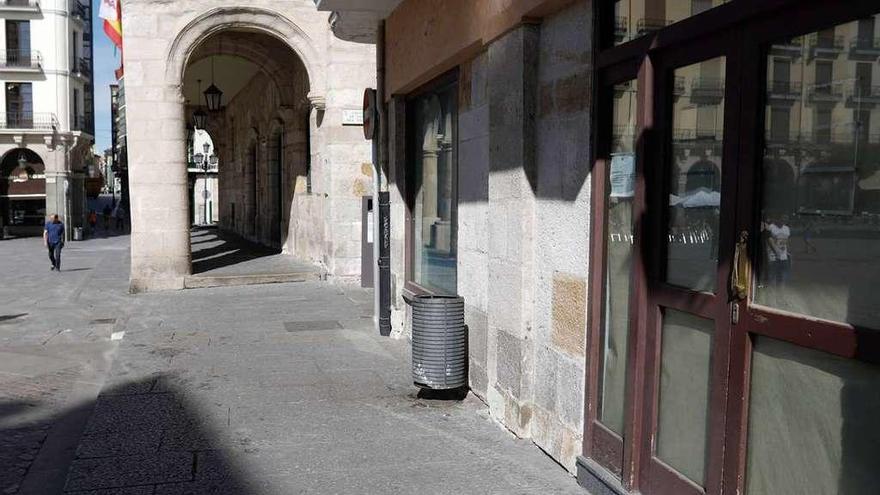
275,389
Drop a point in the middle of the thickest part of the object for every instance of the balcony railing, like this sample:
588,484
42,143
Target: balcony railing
790,88
825,92
20,4
21,59
791,45
696,134
867,44
821,137
645,26
829,46
82,66
707,88
29,120
81,123
864,93
78,10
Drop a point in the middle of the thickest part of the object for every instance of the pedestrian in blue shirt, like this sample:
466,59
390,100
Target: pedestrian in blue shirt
53,238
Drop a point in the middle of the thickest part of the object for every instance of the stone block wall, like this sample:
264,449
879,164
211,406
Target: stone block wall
562,227
523,224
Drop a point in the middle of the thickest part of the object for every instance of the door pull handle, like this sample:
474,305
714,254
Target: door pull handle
742,269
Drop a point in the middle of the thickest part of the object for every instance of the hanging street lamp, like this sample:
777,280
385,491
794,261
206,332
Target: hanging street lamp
200,118
213,95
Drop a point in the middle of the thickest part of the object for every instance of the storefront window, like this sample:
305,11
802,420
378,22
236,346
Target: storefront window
433,238
820,245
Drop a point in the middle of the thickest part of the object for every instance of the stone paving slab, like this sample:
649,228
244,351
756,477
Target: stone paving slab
325,408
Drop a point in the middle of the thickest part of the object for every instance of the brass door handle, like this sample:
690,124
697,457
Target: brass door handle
742,269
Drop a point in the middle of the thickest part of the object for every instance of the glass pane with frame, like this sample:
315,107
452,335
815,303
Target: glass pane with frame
695,175
820,236
619,240
812,422
636,18
434,251
683,404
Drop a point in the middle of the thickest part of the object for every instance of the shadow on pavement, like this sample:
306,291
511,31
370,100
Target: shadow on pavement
148,437
213,249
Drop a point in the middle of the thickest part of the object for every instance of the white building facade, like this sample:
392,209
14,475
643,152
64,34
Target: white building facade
47,122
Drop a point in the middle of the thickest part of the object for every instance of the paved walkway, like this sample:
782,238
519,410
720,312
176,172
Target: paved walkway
274,389
215,253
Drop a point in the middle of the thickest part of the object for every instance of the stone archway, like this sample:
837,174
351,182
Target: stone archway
291,47
242,18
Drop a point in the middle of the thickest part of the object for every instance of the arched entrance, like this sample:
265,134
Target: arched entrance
265,98
22,192
273,75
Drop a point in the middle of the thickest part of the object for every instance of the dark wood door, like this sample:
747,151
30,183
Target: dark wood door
691,211
750,253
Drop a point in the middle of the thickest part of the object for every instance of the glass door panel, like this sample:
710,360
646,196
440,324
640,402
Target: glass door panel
820,215
812,391
687,337
695,175
685,368
812,422
619,239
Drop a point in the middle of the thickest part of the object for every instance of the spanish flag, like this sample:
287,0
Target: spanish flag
111,12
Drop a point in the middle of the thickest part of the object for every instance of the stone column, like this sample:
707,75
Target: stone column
160,224
429,190
512,106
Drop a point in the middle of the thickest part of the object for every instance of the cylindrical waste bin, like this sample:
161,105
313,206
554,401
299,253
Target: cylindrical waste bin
439,342
77,233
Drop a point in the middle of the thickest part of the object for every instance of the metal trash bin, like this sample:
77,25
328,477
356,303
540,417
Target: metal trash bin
77,233
439,342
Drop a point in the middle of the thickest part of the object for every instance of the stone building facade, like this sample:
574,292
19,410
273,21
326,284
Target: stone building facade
291,174
617,190
521,188
47,124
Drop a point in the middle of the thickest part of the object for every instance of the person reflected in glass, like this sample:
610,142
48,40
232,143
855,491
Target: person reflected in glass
778,255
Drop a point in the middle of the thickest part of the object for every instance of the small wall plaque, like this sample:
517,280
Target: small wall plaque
352,117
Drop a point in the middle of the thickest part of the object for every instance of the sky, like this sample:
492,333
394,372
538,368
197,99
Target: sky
107,61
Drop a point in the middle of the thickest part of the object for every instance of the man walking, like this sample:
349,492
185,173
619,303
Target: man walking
53,238
120,218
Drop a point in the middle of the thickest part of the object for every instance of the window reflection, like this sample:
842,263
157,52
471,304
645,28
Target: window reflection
820,242
695,177
636,18
434,229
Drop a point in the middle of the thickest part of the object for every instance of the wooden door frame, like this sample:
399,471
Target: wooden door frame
752,23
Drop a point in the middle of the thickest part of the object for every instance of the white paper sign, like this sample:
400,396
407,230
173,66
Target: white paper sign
623,175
